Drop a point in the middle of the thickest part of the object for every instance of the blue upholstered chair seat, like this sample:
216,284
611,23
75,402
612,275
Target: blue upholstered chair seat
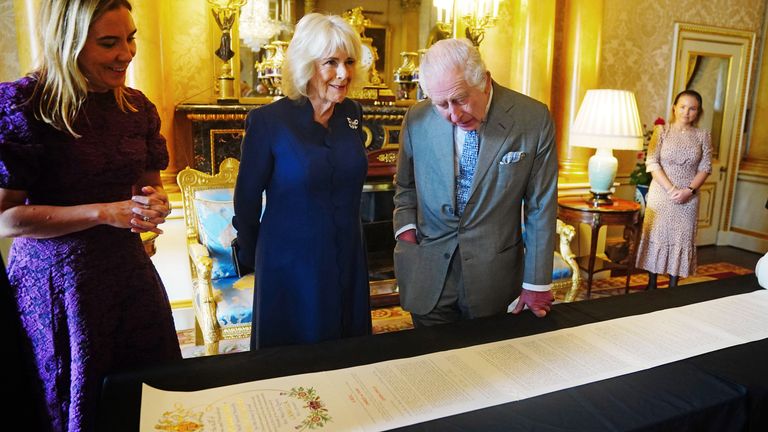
234,301
560,268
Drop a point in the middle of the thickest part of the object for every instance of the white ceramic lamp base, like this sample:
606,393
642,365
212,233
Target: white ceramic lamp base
602,171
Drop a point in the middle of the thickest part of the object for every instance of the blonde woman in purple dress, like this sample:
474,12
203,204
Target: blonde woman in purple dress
80,161
680,160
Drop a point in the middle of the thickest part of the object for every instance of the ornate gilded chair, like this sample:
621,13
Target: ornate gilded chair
223,304
565,272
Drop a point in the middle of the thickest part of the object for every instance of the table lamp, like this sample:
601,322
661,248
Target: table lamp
607,120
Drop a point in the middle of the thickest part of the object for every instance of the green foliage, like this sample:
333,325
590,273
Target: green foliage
638,176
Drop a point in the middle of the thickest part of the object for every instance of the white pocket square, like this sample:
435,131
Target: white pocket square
512,157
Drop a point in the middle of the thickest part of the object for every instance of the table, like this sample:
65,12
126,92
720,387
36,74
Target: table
620,212
723,390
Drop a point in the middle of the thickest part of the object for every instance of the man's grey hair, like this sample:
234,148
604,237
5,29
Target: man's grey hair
449,55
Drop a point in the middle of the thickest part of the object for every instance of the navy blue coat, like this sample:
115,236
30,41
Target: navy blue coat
310,264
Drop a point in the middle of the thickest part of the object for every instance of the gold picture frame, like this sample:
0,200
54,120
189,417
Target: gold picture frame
380,39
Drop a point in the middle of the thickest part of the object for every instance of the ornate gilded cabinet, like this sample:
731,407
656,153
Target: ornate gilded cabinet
217,130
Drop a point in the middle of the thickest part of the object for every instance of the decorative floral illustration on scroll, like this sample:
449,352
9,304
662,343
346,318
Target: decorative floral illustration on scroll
318,413
180,420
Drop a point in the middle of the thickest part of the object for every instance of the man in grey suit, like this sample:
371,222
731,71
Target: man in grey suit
473,157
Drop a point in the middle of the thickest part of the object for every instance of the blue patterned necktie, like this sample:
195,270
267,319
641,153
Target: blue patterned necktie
466,171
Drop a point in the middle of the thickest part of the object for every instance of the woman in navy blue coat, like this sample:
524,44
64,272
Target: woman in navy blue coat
307,152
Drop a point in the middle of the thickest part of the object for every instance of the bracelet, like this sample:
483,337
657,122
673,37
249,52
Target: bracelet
693,191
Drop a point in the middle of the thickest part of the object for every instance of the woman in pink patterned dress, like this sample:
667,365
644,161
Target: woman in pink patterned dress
680,160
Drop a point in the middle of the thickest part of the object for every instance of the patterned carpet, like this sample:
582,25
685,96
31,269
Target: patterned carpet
384,320
390,319
394,318
637,282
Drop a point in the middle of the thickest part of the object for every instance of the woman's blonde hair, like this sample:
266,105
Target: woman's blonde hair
62,87
316,37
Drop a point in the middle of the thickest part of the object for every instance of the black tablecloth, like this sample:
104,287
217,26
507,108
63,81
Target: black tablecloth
719,391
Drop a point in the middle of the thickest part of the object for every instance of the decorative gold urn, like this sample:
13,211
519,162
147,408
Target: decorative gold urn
405,74
420,95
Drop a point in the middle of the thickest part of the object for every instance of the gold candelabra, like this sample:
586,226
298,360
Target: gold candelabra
225,13
476,16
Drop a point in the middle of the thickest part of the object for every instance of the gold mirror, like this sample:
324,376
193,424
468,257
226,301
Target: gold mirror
262,27
716,62
263,21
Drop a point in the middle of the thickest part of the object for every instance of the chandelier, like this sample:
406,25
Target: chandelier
262,20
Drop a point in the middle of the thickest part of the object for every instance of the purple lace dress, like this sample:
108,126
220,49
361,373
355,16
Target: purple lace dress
90,302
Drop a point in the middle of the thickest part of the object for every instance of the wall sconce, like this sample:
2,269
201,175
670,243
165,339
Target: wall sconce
225,12
477,16
607,120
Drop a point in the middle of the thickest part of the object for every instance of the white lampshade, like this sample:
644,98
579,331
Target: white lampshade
607,120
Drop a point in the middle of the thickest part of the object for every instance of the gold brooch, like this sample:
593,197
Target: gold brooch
352,123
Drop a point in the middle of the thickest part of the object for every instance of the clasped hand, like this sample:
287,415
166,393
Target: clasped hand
149,210
679,196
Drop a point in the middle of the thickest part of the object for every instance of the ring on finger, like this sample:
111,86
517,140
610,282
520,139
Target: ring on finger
145,218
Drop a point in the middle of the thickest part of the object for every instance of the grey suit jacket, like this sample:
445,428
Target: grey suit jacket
516,167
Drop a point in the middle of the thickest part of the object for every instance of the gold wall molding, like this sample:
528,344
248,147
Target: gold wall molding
757,147
706,205
382,117
749,219
216,117
754,173
760,235
181,304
